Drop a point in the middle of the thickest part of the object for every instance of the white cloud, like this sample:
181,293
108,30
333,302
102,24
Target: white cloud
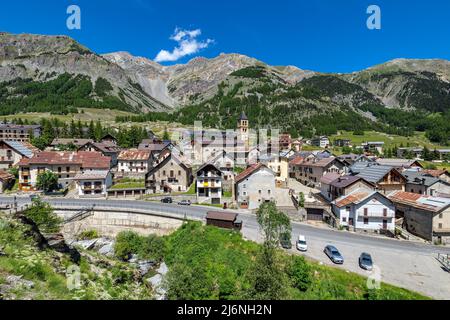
187,45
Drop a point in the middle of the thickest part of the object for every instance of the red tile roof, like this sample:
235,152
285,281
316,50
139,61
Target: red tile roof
354,197
247,172
85,159
296,161
134,155
425,202
435,173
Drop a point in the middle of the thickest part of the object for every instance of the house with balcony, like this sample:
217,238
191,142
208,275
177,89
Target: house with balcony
11,152
169,175
66,165
254,186
424,216
21,133
209,184
322,142
134,162
93,183
107,147
365,210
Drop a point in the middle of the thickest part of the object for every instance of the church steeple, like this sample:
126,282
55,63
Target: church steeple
243,127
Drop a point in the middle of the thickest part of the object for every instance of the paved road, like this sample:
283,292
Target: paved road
408,264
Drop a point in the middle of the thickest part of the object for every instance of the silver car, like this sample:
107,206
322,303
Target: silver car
334,254
365,261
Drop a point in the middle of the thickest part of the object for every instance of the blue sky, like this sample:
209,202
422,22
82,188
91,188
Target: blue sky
320,35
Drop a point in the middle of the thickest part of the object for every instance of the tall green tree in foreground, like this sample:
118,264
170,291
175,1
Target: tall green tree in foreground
267,277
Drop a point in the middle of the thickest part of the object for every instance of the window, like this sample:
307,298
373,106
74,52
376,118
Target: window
440,225
385,212
259,191
268,191
441,216
366,211
59,169
344,219
67,169
366,220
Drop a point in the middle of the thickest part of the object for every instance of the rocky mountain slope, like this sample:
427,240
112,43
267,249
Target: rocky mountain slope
38,59
183,84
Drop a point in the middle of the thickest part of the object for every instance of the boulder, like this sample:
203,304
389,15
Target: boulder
144,267
107,250
17,281
163,269
85,244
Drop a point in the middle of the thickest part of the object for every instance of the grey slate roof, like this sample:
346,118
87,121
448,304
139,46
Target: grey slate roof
420,178
373,173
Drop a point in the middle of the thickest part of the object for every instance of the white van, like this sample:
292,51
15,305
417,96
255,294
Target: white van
301,243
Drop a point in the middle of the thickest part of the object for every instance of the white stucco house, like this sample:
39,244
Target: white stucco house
365,210
93,183
254,186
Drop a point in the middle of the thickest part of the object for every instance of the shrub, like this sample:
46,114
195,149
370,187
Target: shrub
127,243
300,273
44,217
88,235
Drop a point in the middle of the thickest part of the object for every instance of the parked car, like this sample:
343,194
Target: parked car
365,261
167,200
285,241
301,243
184,203
334,254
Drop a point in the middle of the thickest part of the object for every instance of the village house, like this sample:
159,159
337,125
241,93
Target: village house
93,183
209,184
386,179
365,210
134,162
418,182
285,141
441,174
342,142
424,216
310,171
6,180
279,164
325,182
225,163
66,165
22,133
297,145
62,144
373,147
345,185
11,152
400,164
106,147
170,175
322,142
254,186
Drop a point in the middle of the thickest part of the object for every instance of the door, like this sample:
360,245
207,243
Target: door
350,221
385,224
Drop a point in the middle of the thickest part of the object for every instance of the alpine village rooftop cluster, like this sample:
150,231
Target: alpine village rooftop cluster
363,192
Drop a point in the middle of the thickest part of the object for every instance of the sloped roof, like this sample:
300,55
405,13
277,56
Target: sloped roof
76,142
357,196
89,175
134,155
398,163
420,178
435,173
424,202
24,148
223,216
249,171
329,178
345,181
297,160
85,159
164,162
374,173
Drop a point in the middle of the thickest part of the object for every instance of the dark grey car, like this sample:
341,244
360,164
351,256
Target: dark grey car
365,261
334,254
